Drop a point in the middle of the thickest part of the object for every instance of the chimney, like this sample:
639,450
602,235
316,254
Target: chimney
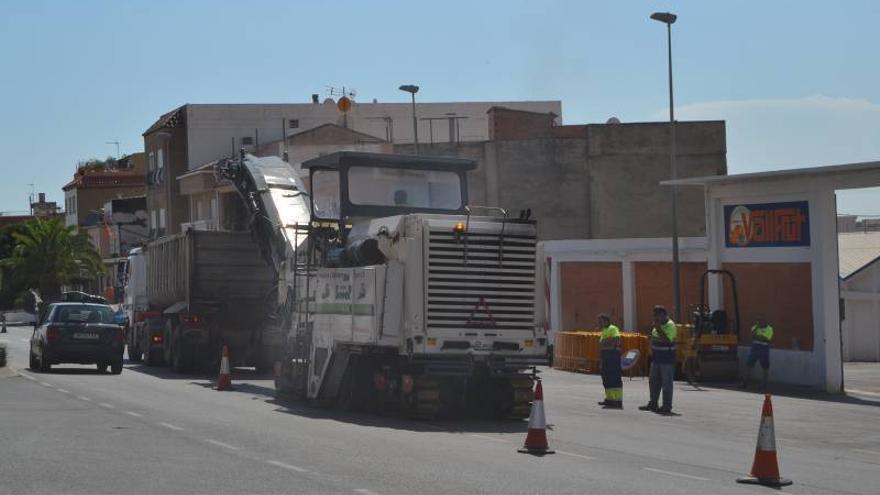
42,197
314,98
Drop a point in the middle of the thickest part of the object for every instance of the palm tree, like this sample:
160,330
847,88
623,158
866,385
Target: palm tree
48,255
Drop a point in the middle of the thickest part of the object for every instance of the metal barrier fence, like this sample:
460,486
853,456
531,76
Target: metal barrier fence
579,351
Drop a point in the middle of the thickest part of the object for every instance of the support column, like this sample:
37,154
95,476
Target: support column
629,295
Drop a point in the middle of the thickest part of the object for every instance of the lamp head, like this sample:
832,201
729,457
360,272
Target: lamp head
664,17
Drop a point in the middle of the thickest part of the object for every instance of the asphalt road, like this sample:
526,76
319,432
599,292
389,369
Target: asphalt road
151,431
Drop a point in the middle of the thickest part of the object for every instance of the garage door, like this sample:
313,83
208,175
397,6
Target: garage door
590,288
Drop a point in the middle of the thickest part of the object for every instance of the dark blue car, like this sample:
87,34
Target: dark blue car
79,333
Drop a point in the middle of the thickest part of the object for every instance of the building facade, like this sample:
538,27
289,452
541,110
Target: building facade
593,181
88,191
193,135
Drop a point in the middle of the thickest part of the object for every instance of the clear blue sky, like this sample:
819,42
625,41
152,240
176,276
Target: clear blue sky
797,81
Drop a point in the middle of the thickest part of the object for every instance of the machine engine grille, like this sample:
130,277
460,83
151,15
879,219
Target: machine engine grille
482,282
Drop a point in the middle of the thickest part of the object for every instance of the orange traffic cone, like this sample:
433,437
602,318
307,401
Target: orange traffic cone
224,380
765,469
536,439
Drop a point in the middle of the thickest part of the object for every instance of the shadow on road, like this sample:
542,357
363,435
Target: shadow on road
796,392
167,373
397,421
73,371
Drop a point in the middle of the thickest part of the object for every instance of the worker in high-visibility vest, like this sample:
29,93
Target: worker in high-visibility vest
662,374
612,374
762,335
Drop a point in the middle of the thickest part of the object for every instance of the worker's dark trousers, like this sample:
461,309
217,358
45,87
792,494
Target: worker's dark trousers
661,377
612,377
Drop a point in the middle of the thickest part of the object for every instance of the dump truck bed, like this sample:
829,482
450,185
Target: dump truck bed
194,267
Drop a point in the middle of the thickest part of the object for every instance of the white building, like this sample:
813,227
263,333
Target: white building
859,254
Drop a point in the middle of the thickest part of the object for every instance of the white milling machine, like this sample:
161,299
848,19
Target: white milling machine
390,292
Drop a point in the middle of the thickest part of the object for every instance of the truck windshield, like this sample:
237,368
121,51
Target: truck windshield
403,187
325,194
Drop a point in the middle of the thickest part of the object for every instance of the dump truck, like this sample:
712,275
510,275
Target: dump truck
393,290
203,290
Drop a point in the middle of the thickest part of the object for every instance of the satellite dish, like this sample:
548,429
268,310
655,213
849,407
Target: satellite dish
329,101
613,120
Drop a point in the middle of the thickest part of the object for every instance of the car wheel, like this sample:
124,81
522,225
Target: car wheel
102,367
33,365
116,367
45,367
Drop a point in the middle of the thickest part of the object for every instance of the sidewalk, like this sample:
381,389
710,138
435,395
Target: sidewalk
862,379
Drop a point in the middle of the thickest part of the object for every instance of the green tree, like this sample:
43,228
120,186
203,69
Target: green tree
10,290
48,255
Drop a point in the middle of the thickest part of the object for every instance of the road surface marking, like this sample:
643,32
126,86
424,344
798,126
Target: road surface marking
46,384
25,340
572,454
221,444
673,473
487,437
62,390
132,413
364,491
288,466
29,377
171,426
866,451
83,397
108,406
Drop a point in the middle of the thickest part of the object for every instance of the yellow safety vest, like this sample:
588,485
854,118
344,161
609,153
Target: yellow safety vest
762,334
609,332
669,329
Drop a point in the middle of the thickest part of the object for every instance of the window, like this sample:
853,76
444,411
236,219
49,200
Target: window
160,161
247,141
153,222
325,194
293,123
413,188
151,162
85,313
162,218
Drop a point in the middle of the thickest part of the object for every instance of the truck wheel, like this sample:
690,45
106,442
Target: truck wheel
116,367
153,358
166,348
33,363
179,361
134,353
102,367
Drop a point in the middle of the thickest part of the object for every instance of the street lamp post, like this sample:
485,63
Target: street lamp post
669,19
412,89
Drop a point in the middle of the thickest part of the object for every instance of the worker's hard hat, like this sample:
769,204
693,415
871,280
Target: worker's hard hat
660,309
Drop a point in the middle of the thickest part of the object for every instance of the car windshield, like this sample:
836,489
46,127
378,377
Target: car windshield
86,313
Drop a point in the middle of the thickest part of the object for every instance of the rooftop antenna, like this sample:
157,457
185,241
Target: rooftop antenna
341,91
117,148
31,200
346,98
